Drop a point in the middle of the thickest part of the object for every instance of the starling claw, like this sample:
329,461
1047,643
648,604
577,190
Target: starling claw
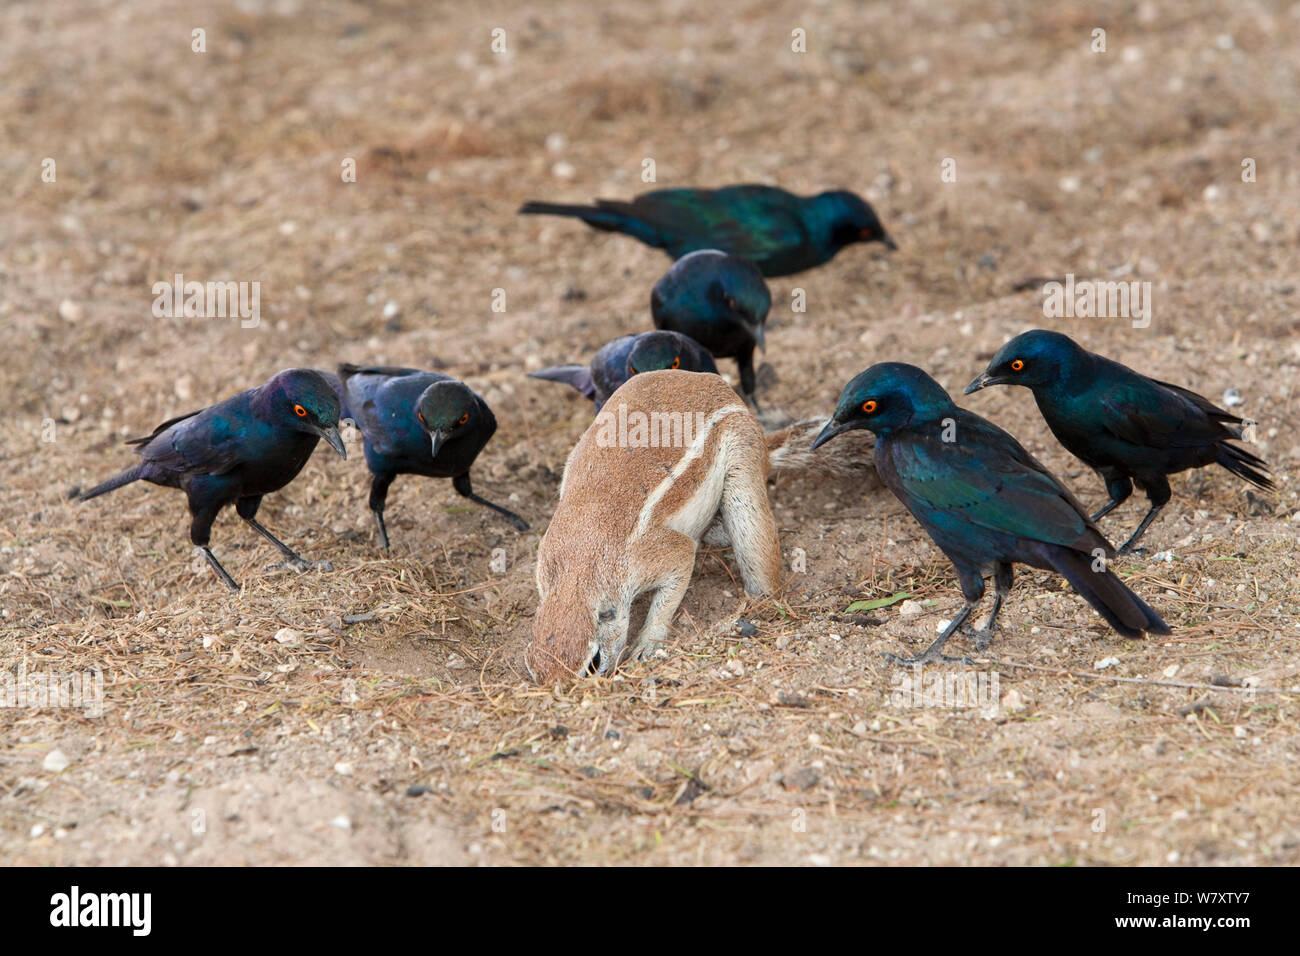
983,636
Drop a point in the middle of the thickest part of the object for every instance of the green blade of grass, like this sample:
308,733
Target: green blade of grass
878,602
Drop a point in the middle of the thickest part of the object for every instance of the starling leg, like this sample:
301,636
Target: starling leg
1129,546
201,518
462,485
247,508
1003,575
1106,509
378,495
932,654
1119,489
211,558
383,530
745,364
1158,494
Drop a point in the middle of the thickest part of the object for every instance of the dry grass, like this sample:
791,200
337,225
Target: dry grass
402,671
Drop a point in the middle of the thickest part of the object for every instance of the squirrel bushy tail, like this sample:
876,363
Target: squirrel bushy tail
790,449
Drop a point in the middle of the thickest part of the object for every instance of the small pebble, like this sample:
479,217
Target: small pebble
805,778
56,761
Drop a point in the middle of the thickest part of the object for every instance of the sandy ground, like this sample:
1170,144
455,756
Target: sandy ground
413,736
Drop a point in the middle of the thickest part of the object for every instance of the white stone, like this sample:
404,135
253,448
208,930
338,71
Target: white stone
56,761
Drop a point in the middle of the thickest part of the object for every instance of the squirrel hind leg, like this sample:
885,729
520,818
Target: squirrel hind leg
747,519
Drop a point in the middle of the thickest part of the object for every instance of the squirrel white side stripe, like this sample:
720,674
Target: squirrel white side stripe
692,453
632,514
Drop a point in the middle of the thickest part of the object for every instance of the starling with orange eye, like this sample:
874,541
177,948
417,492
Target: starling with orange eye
1128,428
236,451
985,501
625,356
417,423
720,301
779,232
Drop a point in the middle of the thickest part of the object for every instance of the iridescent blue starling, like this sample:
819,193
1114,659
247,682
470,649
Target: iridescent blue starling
617,361
983,499
1125,426
779,232
417,423
235,452
719,301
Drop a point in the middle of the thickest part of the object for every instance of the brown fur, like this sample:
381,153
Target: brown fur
611,540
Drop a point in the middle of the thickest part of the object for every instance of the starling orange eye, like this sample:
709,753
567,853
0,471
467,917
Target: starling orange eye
869,406
300,411
464,418
1017,365
677,362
